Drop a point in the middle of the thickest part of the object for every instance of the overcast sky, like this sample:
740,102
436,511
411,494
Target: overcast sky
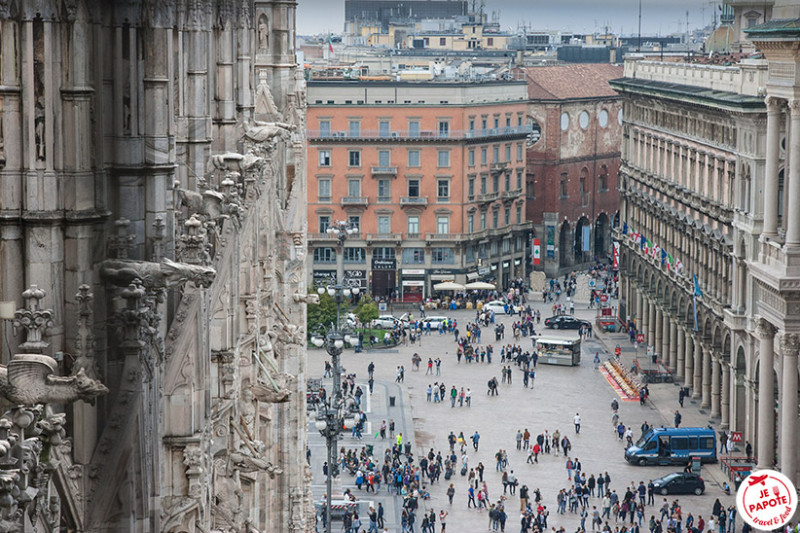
579,16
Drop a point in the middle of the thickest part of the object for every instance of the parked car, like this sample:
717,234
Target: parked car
566,322
497,306
435,321
680,483
385,322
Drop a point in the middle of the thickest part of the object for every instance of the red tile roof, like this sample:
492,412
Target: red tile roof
571,80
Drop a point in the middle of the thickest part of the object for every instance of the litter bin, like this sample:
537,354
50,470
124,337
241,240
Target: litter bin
391,401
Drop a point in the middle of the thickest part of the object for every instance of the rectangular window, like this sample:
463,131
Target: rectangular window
679,443
483,123
384,252
471,124
354,255
507,181
384,128
413,225
519,180
470,223
471,157
495,154
444,158
444,129
519,119
355,222
413,188
384,190
495,183
471,189
324,255
483,155
324,190
354,158
496,122
508,121
508,153
413,256
324,223
483,184
483,220
490,41
442,225
562,186
470,254
384,224
442,256
506,246
324,128
384,158
413,128
519,152
443,190
507,216
413,158
519,214
584,196
354,188
531,187
354,128
324,158
495,217
442,41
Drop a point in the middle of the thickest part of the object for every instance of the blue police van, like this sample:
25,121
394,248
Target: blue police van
671,446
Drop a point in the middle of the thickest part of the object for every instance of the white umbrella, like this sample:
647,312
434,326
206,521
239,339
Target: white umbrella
480,285
448,286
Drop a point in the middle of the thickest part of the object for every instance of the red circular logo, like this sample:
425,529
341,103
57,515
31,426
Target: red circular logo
766,499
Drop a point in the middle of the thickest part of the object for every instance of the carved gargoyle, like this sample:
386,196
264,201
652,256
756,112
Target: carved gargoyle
299,297
30,379
269,393
161,275
261,132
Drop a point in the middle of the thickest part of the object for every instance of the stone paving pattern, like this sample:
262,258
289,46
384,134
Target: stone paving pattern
558,393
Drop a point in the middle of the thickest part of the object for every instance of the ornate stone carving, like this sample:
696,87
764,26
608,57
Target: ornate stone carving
121,244
265,104
30,379
163,275
790,344
765,329
276,390
310,298
34,320
193,243
264,132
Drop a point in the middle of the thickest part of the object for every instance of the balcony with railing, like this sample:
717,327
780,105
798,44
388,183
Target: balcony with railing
355,201
413,201
417,135
522,226
384,171
328,237
488,197
499,167
444,237
384,237
512,194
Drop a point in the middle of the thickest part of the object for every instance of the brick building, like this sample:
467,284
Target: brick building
573,160
432,175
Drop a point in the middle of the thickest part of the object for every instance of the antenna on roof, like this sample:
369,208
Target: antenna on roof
639,44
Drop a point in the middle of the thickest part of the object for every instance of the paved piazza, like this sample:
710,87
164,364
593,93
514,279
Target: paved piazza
558,393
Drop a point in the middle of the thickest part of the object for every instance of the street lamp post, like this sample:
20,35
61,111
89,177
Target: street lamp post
342,230
333,414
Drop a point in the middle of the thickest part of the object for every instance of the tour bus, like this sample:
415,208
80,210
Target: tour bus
553,351
669,446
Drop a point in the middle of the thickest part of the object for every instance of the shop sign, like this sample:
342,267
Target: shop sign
355,278
413,271
384,264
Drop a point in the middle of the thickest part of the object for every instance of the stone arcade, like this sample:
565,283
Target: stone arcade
152,236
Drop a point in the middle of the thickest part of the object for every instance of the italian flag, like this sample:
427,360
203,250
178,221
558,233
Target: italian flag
330,43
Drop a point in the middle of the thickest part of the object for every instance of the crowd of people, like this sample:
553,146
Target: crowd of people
589,497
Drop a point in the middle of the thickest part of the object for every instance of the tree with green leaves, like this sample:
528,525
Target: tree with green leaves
321,315
366,310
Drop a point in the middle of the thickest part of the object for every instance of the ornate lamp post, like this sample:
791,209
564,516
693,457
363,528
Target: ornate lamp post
333,415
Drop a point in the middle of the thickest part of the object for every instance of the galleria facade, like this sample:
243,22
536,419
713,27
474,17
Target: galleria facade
710,182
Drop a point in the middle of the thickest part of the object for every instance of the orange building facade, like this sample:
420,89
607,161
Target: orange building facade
432,174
